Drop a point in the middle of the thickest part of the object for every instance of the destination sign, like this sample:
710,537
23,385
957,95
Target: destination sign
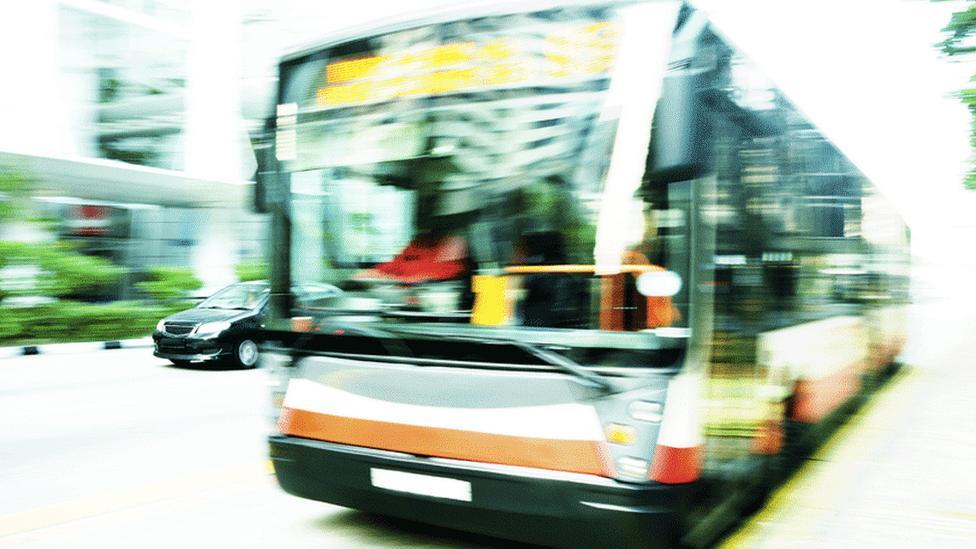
568,53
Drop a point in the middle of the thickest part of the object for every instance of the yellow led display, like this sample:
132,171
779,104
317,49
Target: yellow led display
573,52
353,69
451,54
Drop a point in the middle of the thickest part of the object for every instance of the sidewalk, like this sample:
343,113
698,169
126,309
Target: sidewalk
74,348
901,472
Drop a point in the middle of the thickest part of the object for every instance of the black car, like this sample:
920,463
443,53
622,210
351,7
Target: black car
219,327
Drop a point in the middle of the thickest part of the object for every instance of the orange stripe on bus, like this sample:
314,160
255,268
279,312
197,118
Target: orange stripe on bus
814,399
576,456
676,465
769,438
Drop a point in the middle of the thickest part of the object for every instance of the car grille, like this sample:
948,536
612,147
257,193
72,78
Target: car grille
172,346
179,328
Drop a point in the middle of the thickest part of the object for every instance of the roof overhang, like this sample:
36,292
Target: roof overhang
113,181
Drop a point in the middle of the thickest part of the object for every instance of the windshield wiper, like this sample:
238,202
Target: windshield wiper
389,340
564,364
551,358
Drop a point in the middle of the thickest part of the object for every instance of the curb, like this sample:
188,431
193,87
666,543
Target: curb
72,348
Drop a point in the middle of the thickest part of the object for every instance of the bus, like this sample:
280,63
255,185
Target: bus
601,282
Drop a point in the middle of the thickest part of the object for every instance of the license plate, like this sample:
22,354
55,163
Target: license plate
424,485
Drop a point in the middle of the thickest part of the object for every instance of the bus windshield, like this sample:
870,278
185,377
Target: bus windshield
488,172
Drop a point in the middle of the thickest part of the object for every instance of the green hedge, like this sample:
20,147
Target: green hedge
67,321
251,270
70,278
169,283
9,324
14,188
64,271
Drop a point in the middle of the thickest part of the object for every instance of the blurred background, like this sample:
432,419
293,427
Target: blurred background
126,153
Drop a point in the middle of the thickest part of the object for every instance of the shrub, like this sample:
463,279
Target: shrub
9,326
14,187
64,271
67,321
169,283
251,270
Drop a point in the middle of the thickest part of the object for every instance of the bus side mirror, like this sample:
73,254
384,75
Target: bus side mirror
679,149
678,138
259,198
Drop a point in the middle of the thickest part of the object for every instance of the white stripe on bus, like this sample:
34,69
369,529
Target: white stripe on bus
569,421
681,425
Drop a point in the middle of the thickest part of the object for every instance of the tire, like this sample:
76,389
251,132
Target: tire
246,354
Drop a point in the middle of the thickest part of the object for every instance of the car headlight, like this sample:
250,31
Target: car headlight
212,327
160,326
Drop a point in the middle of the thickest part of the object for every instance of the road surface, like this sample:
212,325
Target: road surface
120,449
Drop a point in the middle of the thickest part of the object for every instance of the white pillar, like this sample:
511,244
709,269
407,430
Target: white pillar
213,133
79,82
215,252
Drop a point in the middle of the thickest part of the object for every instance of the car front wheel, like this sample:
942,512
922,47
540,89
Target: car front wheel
246,353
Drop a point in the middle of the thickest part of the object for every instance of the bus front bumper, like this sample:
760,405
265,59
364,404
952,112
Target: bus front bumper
528,505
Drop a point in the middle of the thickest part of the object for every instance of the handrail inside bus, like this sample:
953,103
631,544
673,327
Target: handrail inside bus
532,269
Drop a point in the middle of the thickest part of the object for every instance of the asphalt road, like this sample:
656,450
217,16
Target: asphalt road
120,449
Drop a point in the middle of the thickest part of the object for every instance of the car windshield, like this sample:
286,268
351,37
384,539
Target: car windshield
238,296
487,172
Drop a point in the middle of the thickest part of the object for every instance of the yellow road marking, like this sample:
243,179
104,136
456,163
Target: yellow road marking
117,500
960,515
782,501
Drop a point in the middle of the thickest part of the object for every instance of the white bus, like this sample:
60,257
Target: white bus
602,282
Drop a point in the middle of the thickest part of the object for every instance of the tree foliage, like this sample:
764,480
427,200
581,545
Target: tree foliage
959,42
13,189
960,29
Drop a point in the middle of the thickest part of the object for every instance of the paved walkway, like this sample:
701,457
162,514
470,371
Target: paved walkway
902,472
